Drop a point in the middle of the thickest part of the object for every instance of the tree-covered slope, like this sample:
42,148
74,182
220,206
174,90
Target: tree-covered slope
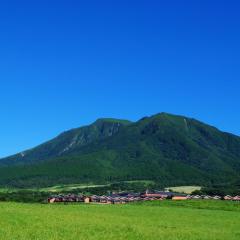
165,148
68,141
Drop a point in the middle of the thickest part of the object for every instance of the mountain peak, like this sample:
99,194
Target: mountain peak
112,120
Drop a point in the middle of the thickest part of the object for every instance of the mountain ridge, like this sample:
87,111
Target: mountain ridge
166,148
70,137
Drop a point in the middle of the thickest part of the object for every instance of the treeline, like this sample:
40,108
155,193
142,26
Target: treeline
220,190
25,196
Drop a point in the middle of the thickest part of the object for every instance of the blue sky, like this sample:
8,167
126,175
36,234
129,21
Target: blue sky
64,64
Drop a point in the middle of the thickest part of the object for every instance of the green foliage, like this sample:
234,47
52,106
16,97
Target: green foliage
25,196
232,189
169,150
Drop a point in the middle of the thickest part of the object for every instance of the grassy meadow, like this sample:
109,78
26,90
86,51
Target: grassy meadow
79,186
186,220
184,189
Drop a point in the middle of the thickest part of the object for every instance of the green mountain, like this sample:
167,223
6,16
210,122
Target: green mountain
168,149
67,142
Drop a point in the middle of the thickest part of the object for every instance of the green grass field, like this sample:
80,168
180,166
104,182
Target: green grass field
185,189
154,220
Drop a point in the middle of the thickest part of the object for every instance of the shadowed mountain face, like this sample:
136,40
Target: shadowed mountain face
165,148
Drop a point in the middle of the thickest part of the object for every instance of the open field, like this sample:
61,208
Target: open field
56,188
185,189
69,187
155,220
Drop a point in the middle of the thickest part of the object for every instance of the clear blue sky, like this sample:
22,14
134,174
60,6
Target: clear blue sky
64,64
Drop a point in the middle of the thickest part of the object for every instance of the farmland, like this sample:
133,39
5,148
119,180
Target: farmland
185,189
153,220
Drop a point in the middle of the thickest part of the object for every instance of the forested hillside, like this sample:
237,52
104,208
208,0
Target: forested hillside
168,149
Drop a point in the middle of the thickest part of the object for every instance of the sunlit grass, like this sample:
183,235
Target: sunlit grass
162,220
185,189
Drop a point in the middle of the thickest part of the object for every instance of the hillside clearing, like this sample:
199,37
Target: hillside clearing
185,189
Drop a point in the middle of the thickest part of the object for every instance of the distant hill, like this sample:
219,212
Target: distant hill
168,149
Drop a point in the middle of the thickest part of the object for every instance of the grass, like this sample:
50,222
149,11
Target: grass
56,188
185,189
7,190
188,220
197,204
69,187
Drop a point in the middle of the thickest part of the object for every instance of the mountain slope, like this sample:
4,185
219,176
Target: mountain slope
165,148
68,141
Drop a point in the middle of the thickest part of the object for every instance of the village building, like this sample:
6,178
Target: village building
228,197
177,198
236,198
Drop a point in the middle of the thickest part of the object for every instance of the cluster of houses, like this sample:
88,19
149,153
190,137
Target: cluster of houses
231,198
118,198
60,198
216,197
121,198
